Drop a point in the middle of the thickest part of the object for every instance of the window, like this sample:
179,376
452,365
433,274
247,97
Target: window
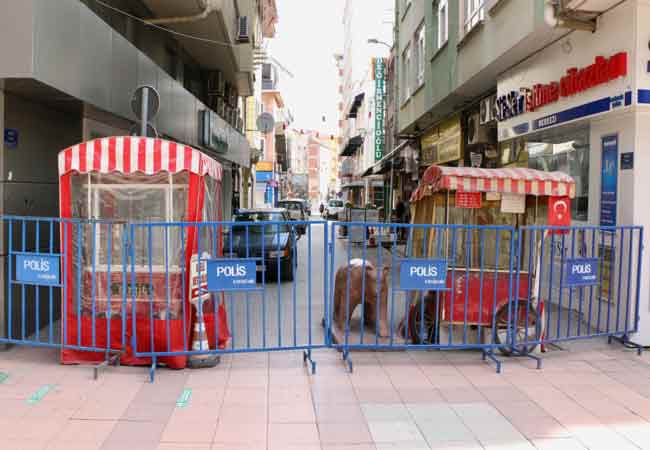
406,74
474,13
443,23
419,56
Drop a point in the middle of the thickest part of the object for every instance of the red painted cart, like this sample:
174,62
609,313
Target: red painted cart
111,182
480,278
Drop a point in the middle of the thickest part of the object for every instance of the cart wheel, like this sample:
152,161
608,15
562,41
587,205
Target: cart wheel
526,325
415,321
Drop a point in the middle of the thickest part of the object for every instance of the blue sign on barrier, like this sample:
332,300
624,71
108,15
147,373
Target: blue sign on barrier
423,274
580,272
231,275
37,268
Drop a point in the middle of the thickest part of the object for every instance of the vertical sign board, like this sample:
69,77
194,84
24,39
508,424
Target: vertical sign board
380,107
11,138
231,275
581,272
423,275
609,181
38,269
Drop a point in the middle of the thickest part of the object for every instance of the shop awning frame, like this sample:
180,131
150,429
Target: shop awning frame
351,146
354,107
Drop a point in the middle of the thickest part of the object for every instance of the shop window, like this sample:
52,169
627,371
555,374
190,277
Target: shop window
564,150
406,74
419,56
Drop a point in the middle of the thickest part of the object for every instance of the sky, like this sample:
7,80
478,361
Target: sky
309,33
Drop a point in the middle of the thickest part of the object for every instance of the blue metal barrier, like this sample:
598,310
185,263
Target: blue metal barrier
260,278
439,287
58,292
584,283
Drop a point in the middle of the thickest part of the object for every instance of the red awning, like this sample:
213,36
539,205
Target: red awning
124,154
511,180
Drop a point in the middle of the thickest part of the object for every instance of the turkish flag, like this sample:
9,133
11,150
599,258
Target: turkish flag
559,213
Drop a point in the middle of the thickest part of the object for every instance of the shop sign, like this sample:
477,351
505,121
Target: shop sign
215,132
232,275
627,161
580,272
442,144
575,81
513,203
264,166
263,177
609,181
468,200
380,107
11,138
38,269
423,274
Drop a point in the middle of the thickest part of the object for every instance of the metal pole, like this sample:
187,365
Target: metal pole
390,194
145,112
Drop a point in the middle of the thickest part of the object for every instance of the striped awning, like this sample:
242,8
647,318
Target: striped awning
125,154
511,180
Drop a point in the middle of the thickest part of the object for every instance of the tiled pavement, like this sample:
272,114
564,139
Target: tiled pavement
591,397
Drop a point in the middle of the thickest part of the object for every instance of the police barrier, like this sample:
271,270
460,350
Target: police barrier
57,289
252,286
584,282
444,286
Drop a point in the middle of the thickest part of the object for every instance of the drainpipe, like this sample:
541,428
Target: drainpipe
209,7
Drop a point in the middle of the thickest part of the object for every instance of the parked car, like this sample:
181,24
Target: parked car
276,241
334,209
296,209
308,208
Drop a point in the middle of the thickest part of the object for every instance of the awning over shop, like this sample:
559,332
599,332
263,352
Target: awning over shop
351,146
368,172
353,185
512,180
358,99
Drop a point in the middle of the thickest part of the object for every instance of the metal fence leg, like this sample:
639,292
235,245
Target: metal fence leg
110,360
626,342
348,361
490,354
152,369
306,356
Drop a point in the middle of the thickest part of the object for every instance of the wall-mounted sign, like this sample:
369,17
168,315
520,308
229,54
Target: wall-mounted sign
609,180
442,144
231,275
380,107
581,272
529,99
513,203
627,161
11,138
264,166
423,274
39,269
471,200
215,132
263,177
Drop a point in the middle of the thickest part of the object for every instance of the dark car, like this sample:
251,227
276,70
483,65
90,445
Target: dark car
273,243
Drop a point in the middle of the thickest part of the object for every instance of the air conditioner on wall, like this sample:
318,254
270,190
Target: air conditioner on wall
476,134
486,111
243,33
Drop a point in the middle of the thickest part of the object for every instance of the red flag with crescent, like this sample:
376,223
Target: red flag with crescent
559,213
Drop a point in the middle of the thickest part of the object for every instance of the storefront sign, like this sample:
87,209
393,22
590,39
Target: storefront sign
39,269
609,181
627,161
471,200
216,131
529,99
231,275
513,203
442,144
11,138
263,177
580,272
380,107
423,274
264,166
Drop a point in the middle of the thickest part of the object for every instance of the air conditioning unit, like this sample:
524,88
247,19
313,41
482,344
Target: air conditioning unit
488,110
216,83
476,134
243,33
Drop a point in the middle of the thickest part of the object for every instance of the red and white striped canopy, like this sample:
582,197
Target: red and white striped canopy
125,154
513,180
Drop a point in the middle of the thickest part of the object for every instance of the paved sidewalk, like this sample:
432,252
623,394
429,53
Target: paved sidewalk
592,397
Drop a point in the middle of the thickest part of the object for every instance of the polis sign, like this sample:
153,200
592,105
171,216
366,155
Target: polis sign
575,81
